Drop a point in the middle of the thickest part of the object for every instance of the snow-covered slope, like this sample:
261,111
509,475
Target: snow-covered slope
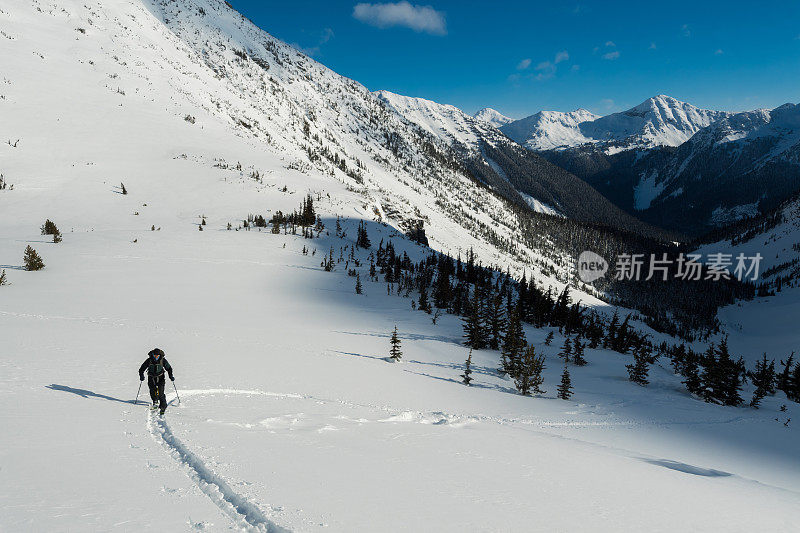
509,169
289,418
743,165
767,324
549,130
441,120
658,121
492,117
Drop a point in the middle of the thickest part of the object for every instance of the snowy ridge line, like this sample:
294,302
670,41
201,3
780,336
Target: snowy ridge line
244,513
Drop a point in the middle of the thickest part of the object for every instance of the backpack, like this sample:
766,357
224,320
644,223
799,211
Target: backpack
156,368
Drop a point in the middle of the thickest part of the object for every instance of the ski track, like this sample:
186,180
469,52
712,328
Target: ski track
245,514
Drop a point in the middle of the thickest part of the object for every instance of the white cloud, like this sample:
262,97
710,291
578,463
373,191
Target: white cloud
524,64
546,70
575,68
561,56
610,43
611,55
686,31
327,35
718,52
607,104
423,19
652,46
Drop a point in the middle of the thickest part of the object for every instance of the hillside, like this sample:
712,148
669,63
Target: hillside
742,165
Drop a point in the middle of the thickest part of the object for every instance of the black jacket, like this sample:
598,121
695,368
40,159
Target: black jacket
155,367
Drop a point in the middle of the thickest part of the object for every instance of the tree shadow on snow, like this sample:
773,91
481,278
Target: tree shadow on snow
407,336
12,267
83,393
686,468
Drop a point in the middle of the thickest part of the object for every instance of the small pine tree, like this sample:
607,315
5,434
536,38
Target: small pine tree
566,350
565,387
32,259
577,352
57,238
124,190
529,375
395,353
693,381
549,339
467,369
639,370
3,279
764,379
49,228
362,238
359,289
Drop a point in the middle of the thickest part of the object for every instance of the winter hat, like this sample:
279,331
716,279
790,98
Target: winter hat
156,352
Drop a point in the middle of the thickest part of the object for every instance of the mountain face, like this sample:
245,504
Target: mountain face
658,121
516,173
492,117
550,130
740,166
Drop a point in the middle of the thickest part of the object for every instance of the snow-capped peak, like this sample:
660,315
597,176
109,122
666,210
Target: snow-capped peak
492,117
548,130
658,121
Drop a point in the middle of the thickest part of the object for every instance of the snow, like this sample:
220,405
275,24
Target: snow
647,190
658,121
549,130
722,216
492,117
289,417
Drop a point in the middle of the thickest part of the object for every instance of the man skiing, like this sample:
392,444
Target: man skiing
156,364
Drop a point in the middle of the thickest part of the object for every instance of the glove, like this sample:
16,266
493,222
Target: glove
172,378
141,378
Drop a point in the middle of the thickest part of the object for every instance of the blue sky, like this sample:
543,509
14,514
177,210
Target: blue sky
521,57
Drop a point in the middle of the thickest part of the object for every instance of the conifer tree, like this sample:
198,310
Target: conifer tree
639,370
467,369
496,321
362,238
513,344
691,370
764,379
783,379
32,259
359,289
395,354
731,375
3,279
549,339
529,377
565,387
578,351
124,190
474,331
794,384
566,350
424,305
611,334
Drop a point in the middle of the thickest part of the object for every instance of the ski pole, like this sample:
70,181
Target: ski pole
176,392
136,401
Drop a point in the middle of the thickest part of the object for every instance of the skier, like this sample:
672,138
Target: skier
156,364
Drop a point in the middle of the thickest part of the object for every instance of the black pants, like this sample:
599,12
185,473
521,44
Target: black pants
156,385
